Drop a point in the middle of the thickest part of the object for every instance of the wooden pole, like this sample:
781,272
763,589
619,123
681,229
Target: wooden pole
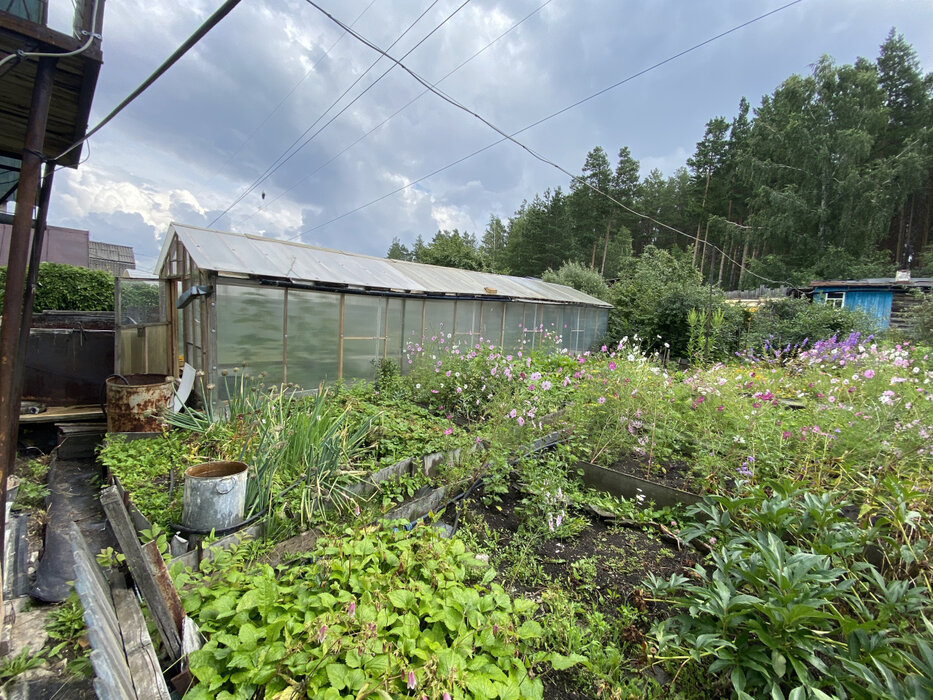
14,296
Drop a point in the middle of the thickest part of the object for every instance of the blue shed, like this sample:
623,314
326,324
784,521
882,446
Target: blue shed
886,299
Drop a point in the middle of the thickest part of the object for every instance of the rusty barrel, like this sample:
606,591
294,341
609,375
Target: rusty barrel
215,495
135,402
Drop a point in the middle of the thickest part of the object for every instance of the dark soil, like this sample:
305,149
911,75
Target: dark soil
674,474
615,561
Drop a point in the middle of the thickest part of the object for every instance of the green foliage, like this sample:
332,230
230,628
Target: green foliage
788,605
450,249
784,322
147,469
654,298
13,665
920,328
69,288
33,487
377,612
67,630
583,279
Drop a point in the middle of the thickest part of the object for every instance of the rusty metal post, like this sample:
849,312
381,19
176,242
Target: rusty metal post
32,277
12,325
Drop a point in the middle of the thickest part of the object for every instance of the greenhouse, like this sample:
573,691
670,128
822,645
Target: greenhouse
306,315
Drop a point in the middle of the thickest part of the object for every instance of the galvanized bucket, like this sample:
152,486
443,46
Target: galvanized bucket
215,495
134,402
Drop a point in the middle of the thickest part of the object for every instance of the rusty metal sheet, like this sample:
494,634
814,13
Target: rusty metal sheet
163,582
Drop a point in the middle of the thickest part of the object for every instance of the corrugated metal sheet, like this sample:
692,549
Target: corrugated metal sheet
843,285
256,256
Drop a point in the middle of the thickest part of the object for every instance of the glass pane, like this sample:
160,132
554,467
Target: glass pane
313,327
552,317
467,319
514,319
363,317
139,302
491,328
412,317
395,338
250,325
438,319
532,324
358,356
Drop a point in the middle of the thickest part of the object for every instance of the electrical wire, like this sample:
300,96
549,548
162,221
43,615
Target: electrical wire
397,112
199,33
511,137
282,160
43,54
294,88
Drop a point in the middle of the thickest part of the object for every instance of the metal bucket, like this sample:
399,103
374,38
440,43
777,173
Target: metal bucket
215,495
135,401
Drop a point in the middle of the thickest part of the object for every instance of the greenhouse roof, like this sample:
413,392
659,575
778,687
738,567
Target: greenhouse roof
258,257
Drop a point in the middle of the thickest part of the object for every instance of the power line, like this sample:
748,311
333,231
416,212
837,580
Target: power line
291,92
447,98
199,33
398,111
282,160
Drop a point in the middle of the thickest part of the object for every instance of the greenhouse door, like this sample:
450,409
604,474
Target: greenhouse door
142,339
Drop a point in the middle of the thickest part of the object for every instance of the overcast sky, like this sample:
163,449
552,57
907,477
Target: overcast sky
217,121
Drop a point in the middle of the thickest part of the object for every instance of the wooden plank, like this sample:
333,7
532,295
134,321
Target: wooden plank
126,535
140,654
60,414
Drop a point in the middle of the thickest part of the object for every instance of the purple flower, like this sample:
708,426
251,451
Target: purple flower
412,681
351,608
448,431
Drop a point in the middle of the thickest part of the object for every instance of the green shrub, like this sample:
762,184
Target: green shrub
583,279
654,299
69,288
786,322
920,329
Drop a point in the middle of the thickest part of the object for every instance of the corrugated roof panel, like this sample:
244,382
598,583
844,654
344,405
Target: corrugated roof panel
235,253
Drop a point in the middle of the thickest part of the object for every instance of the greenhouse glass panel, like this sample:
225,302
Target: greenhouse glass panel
140,302
313,328
438,318
591,329
413,308
395,338
250,328
532,325
467,320
514,320
574,331
363,316
359,357
491,327
551,318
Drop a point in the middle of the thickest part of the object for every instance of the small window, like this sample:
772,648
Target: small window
837,299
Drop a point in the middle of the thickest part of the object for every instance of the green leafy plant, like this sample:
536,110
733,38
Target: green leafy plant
787,605
33,488
13,665
379,612
66,627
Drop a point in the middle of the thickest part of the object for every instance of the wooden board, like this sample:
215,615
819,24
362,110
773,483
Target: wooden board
62,414
141,571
